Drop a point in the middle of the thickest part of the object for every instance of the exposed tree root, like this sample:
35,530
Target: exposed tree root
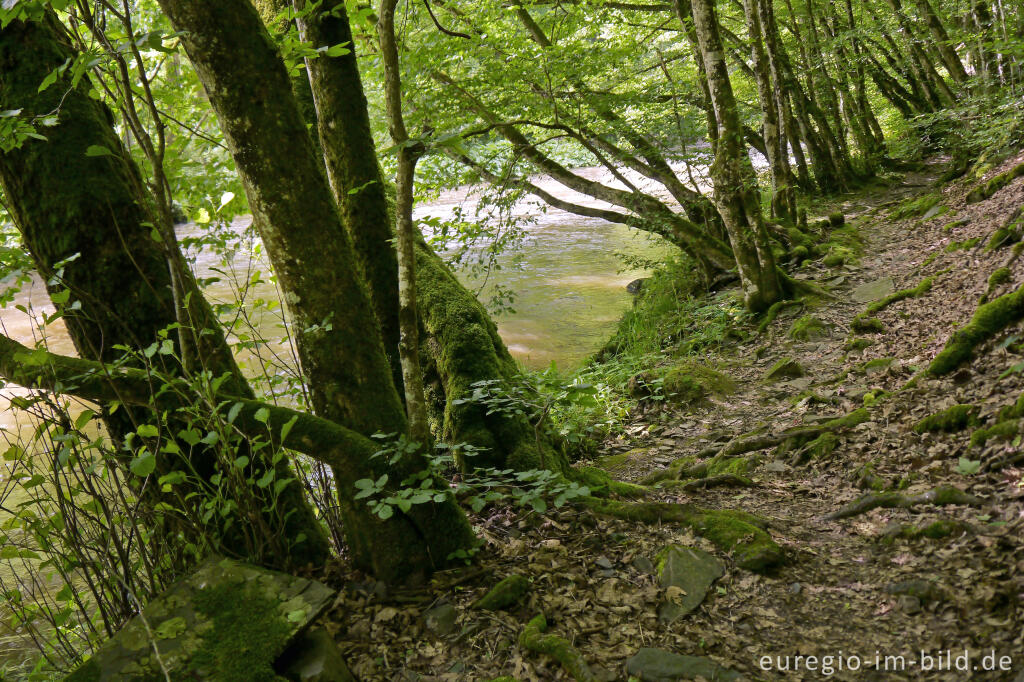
938,530
737,532
943,495
533,639
993,185
920,290
989,319
730,480
508,592
803,433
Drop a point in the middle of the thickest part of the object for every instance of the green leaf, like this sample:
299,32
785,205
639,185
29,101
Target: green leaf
233,412
147,431
83,419
968,467
143,465
262,415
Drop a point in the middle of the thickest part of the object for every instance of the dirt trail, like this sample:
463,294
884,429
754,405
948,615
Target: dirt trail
853,592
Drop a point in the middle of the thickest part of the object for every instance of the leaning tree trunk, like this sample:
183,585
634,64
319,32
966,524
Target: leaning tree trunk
66,202
461,346
338,338
736,191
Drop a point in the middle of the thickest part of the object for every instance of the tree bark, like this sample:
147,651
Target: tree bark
736,191
338,338
66,202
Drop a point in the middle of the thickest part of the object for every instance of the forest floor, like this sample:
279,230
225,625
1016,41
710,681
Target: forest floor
871,591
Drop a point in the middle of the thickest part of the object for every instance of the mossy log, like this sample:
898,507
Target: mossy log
988,320
533,639
938,530
940,496
804,433
993,185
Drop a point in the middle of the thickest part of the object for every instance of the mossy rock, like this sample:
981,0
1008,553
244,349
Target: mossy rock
950,420
740,466
786,368
229,621
836,219
808,328
916,207
1004,430
616,464
862,324
999,277
990,187
1002,237
733,531
855,344
690,382
506,594
877,366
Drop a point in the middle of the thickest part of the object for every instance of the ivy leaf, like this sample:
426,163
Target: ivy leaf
143,465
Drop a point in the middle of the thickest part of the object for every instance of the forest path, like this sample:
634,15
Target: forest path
852,593
853,588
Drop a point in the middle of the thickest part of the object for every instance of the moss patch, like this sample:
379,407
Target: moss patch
855,344
915,207
807,328
751,547
862,324
962,246
1005,430
506,594
987,189
950,420
690,382
786,368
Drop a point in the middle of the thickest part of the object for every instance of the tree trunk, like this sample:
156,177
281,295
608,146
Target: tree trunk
66,202
338,338
736,192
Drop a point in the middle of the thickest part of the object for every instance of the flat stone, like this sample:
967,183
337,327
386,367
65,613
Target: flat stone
315,657
657,665
440,620
932,212
644,565
691,572
276,605
872,291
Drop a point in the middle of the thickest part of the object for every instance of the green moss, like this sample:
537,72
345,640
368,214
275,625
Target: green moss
751,547
987,189
835,258
807,328
614,463
988,320
506,594
920,290
949,227
915,207
862,324
855,344
822,446
739,466
690,382
600,483
786,368
848,421
843,246
798,254
246,634
877,364
941,529
1005,430
1014,411
1004,236
836,219
533,639
999,276
950,420
962,246
872,398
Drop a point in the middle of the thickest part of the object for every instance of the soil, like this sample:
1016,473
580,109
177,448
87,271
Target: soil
850,589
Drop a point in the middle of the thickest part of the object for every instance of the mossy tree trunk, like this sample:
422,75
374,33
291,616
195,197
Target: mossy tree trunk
66,202
338,336
736,192
460,345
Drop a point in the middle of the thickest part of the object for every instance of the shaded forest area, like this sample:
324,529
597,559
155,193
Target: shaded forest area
798,456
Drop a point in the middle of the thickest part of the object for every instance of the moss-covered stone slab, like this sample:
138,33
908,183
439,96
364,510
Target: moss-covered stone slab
229,621
658,665
787,368
686,574
872,291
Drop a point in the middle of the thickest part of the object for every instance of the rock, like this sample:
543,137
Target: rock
872,291
787,368
644,565
228,618
440,620
776,466
604,562
909,604
686,574
314,657
657,665
637,285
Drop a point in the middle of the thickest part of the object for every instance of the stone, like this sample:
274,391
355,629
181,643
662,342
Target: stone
657,665
785,369
686,574
644,565
872,291
637,285
440,620
227,621
314,657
